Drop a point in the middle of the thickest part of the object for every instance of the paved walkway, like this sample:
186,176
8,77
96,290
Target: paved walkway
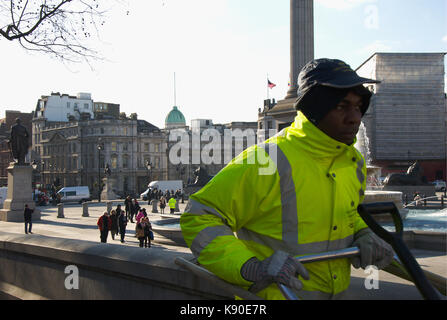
74,226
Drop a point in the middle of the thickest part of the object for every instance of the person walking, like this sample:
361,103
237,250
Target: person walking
127,206
104,225
172,203
262,210
148,234
114,227
27,215
122,223
139,233
162,204
140,215
134,208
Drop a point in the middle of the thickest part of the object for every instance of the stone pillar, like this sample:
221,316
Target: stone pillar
301,40
108,192
19,193
60,210
85,209
177,209
154,204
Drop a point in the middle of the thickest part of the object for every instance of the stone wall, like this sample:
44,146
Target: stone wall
34,268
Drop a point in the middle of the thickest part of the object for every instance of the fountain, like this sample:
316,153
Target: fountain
374,192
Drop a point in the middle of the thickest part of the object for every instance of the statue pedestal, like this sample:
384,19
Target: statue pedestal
108,193
19,193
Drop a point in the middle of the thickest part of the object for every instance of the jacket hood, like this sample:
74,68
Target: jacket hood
315,141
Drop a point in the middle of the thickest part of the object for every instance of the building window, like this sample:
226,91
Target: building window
68,105
157,147
114,161
102,130
125,161
125,131
85,105
113,146
146,147
125,146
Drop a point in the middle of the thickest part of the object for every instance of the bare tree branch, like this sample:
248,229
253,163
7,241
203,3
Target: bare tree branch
61,28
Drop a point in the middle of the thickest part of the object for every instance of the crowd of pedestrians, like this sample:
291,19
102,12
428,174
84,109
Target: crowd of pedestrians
167,198
116,223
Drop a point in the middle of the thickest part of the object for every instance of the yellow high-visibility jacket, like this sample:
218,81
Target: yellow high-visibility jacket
172,203
297,192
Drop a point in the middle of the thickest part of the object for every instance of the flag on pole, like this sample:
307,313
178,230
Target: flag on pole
271,85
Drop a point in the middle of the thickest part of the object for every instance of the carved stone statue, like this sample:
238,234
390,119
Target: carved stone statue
18,142
413,177
202,177
107,170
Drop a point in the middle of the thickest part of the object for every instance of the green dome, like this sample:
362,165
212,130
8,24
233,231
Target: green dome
175,117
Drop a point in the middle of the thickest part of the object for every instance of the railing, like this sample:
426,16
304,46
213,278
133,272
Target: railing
424,199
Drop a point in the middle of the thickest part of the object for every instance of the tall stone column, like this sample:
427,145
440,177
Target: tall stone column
301,39
301,52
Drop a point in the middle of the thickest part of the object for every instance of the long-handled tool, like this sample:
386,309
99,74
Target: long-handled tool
410,270
235,290
337,254
418,277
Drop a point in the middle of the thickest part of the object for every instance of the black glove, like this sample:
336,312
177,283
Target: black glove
279,268
373,250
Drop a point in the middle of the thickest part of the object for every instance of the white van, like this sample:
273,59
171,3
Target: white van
74,194
163,185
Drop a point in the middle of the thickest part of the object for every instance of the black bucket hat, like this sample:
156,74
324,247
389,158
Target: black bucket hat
332,74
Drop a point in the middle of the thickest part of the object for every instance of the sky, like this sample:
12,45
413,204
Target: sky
221,52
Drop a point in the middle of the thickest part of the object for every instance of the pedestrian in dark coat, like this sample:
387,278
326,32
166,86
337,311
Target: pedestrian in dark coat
104,225
114,228
122,223
128,204
27,215
148,234
134,208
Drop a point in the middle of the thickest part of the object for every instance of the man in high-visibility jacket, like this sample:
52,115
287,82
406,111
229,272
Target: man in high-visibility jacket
172,203
295,194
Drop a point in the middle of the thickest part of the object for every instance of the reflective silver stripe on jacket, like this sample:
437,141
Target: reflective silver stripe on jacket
204,237
197,208
295,249
288,193
207,235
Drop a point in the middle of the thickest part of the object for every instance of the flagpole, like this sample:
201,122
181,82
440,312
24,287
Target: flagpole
175,92
268,93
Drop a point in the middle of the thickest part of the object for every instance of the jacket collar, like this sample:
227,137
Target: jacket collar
315,141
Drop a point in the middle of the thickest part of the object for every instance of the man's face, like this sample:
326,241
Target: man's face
342,123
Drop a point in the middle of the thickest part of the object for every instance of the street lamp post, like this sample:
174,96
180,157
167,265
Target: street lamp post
149,170
42,169
99,171
34,165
